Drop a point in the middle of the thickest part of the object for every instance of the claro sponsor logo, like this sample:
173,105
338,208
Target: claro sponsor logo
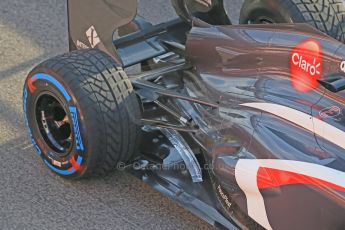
306,65
310,68
342,66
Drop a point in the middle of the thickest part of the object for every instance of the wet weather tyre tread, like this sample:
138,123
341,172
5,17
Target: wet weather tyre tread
326,15
104,95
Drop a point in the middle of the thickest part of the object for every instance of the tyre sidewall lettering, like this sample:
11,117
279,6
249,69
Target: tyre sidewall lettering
73,163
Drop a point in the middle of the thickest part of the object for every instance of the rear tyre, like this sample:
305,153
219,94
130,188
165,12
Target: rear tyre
326,15
82,114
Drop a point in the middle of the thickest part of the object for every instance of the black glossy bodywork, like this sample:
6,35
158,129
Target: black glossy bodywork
269,137
251,65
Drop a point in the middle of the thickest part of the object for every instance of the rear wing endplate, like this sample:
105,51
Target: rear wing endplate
93,22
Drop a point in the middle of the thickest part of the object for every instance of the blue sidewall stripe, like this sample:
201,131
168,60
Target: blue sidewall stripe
79,160
64,172
60,171
74,113
52,80
78,139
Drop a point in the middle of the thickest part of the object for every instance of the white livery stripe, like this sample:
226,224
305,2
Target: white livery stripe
246,176
312,124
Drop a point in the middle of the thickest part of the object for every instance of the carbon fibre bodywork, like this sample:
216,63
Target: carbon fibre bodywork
258,107
248,70
105,15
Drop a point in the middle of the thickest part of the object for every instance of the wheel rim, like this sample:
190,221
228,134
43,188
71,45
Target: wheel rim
261,20
54,124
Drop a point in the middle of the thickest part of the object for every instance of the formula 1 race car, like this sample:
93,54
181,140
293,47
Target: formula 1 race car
243,125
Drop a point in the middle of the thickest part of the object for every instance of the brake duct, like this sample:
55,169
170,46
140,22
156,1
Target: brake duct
185,152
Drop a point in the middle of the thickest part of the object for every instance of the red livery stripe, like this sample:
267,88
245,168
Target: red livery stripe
272,178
